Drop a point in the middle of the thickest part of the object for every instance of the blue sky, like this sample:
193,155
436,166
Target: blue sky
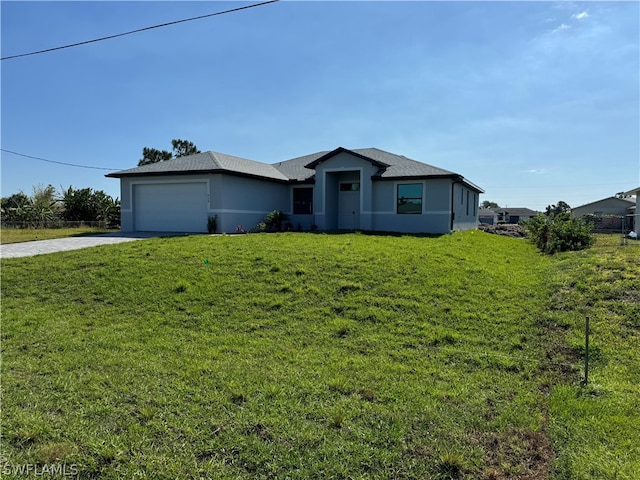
535,102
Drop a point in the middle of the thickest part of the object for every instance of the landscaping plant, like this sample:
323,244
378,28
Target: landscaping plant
559,232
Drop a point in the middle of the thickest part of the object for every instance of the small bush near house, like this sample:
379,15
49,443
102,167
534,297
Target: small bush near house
559,233
212,224
259,228
275,220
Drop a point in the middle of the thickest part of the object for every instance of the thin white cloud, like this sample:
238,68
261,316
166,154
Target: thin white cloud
562,27
538,171
580,15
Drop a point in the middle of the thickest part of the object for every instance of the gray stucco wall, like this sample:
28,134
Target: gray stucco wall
465,207
245,201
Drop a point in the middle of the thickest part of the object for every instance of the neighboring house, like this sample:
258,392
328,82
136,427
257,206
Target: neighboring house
635,209
622,208
493,216
488,216
361,189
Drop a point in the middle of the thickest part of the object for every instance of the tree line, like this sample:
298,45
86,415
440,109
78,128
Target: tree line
47,207
180,148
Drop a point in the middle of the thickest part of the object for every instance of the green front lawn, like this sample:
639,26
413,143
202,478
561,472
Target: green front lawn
15,235
293,356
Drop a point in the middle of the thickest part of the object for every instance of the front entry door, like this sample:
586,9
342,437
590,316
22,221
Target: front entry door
349,206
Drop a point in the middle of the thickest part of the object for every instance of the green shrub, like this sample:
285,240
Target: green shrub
559,233
275,220
259,228
212,224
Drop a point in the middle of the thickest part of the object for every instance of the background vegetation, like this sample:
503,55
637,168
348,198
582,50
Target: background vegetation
46,208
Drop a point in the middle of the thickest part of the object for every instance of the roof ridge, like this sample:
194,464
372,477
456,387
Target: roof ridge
213,157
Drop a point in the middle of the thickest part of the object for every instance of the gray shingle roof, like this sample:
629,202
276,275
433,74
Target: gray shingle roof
630,201
393,166
401,166
486,212
390,166
515,211
296,168
208,162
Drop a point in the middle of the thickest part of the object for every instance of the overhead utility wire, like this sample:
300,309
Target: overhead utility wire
54,161
138,30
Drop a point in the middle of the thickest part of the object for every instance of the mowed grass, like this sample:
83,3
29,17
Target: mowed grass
16,235
295,356
596,427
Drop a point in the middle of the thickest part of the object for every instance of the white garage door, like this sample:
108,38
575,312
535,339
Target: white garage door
170,207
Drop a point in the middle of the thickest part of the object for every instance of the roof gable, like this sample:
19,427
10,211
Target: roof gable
391,166
355,153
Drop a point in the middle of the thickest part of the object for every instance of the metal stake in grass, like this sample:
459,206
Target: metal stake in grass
586,351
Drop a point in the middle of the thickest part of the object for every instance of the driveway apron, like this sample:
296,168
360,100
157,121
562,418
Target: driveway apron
40,247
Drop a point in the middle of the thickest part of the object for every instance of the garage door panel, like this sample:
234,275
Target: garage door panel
170,207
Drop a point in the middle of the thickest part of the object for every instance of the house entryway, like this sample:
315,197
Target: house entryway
349,206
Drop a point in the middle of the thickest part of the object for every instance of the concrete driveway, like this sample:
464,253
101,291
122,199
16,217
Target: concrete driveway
39,247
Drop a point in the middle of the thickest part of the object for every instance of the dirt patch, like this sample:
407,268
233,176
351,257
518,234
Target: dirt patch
507,229
519,454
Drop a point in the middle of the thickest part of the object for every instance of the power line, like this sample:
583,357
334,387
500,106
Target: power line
55,161
502,187
139,30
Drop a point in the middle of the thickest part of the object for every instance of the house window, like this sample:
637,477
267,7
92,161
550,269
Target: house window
302,201
350,187
467,202
409,198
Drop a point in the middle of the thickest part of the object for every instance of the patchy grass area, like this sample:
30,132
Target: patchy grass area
595,427
300,356
16,235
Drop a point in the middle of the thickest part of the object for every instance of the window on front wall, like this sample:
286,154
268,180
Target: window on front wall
302,201
409,198
350,187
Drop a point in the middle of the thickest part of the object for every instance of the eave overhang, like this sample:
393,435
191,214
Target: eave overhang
195,172
339,150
